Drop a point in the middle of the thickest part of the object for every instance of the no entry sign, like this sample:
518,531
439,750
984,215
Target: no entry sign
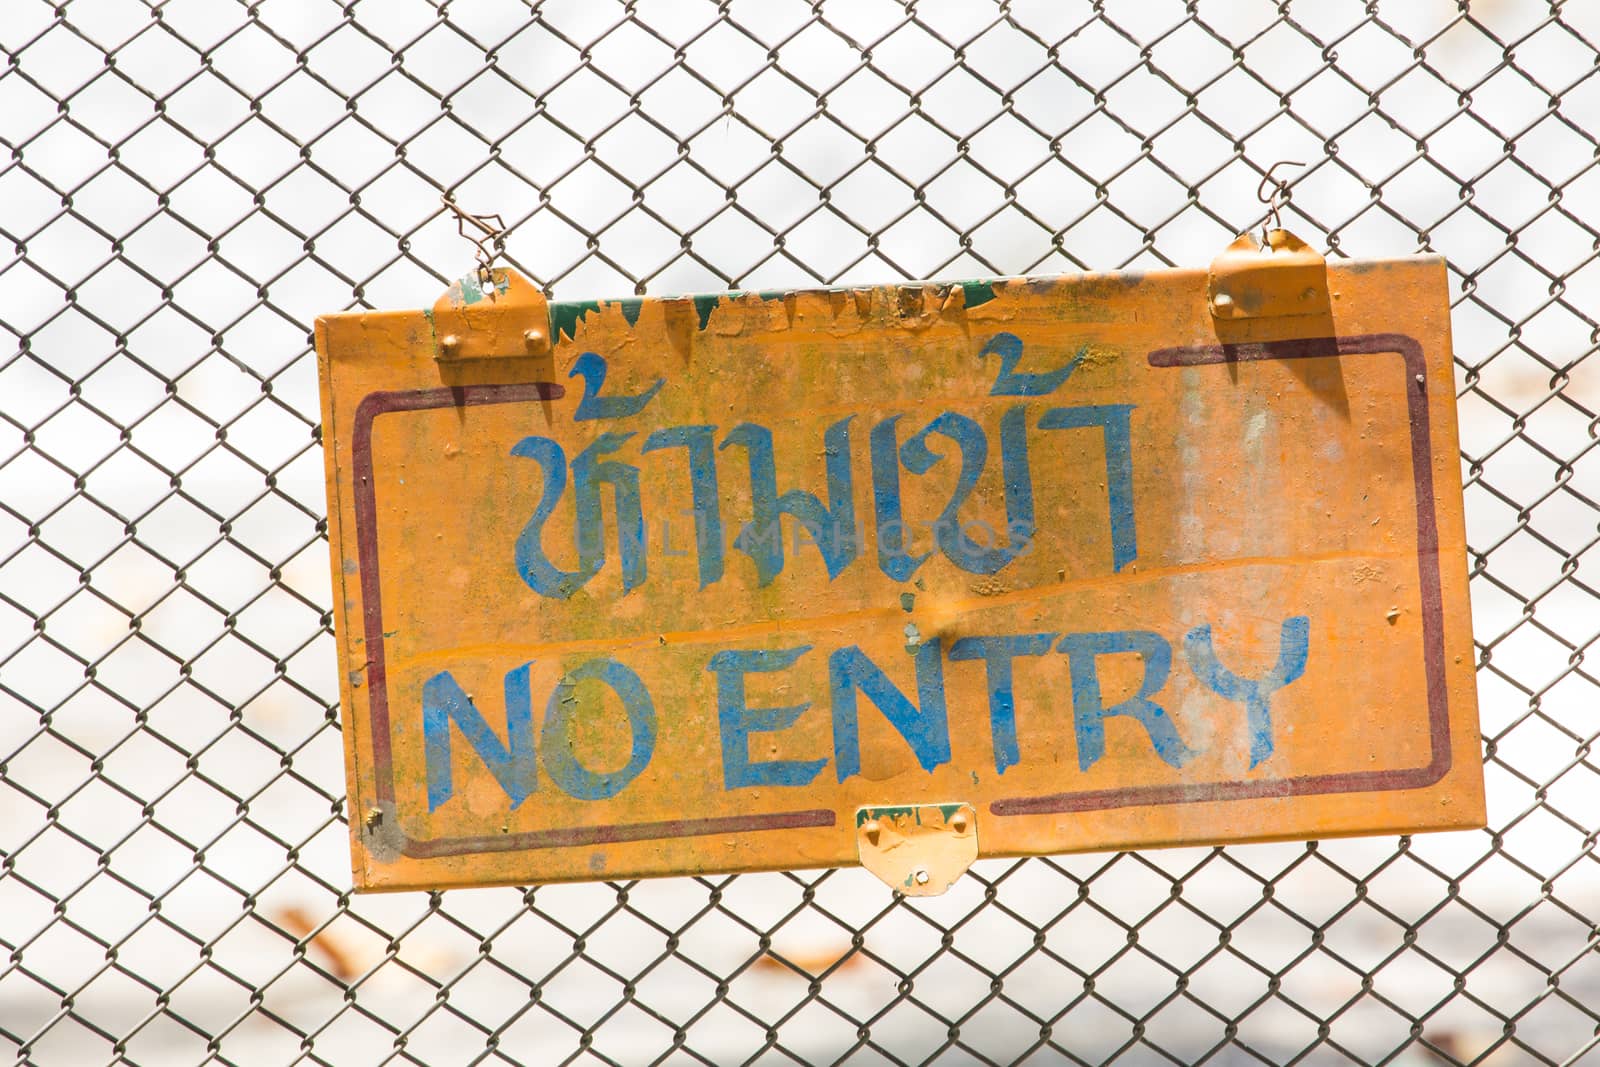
1101,561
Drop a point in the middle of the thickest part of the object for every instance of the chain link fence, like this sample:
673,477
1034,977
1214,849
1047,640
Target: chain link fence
186,184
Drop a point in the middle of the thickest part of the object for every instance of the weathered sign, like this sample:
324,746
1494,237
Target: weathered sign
676,585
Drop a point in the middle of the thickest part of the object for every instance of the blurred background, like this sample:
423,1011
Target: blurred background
187,184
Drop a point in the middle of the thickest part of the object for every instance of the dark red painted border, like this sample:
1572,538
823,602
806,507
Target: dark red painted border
1432,604
606,835
371,406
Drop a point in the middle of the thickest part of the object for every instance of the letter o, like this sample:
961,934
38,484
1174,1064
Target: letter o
555,740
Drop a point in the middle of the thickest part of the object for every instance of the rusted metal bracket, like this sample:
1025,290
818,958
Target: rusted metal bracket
1283,279
495,315
917,849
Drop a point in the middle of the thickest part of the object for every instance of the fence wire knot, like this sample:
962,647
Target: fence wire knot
489,239
1275,193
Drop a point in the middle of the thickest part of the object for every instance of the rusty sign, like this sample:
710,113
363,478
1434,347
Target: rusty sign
751,581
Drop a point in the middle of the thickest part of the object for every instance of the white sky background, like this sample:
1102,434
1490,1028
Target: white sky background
193,275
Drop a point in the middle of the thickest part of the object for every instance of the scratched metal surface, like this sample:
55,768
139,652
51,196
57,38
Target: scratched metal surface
189,184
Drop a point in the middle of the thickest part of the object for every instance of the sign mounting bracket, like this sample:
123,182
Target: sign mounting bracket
492,316
1283,278
917,849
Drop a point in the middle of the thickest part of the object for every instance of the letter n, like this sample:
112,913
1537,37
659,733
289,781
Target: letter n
513,764
927,730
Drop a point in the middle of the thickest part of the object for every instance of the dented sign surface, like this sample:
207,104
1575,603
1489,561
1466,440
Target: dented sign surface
681,585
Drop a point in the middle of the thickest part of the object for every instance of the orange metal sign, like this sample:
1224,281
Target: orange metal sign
679,585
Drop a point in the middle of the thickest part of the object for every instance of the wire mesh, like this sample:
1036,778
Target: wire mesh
190,182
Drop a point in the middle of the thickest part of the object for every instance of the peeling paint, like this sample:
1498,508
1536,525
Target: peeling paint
564,317
704,305
977,293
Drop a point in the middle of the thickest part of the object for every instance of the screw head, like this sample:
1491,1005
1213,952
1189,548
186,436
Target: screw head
450,342
870,830
533,339
921,877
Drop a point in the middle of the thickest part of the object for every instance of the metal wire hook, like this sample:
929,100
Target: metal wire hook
1276,198
491,228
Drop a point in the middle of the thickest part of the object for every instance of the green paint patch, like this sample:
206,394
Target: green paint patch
630,309
472,287
565,317
863,814
704,306
900,811
977,293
